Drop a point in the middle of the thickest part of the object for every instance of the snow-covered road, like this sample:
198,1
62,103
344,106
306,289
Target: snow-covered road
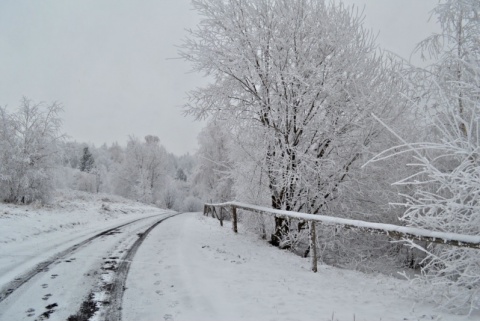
190,268
186,268
91,270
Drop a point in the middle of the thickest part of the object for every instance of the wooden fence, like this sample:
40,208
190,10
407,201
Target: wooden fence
394,231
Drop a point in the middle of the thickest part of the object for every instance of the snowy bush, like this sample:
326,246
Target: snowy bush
65,177
170,196
85,182
446,182
446,198
192,204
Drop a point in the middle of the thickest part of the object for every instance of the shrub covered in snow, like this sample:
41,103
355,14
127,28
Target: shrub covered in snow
446,184
192,204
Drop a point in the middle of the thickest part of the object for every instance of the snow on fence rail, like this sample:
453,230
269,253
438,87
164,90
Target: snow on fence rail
394,231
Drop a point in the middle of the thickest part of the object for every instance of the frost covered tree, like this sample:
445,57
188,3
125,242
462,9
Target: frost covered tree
212,174
446,183
303,76
170,195
28,151
85,181
71,154
102,168
139,176
87,161
181,175
116,153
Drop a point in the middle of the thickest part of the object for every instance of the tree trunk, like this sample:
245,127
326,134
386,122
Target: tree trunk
282,228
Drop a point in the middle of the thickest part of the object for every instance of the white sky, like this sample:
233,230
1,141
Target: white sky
107,61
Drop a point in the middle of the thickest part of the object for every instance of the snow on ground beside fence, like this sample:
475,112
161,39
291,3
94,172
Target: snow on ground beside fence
190,268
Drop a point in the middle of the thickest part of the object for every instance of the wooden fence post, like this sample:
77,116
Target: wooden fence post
234,218
220,216
313,245
205,210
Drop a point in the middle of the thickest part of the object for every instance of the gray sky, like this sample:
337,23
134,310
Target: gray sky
107,61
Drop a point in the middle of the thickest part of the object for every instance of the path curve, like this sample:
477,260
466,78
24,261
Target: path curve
56,287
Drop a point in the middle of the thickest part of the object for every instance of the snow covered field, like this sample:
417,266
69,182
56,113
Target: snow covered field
187,268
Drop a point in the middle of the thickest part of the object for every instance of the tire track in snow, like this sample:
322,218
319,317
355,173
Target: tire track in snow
22,279
114,309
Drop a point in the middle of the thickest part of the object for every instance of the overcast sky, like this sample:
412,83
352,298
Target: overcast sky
108,61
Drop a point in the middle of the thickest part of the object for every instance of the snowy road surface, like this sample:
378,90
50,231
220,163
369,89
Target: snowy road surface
187,268
92,269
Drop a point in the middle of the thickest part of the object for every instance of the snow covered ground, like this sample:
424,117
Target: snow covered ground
192,269
187,268
71,211
53,285
27,231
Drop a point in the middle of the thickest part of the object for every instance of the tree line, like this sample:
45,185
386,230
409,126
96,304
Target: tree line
36,158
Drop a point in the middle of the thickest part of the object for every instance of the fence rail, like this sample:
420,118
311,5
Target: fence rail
393,231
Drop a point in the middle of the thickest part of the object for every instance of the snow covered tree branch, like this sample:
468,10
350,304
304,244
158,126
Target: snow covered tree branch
446,183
